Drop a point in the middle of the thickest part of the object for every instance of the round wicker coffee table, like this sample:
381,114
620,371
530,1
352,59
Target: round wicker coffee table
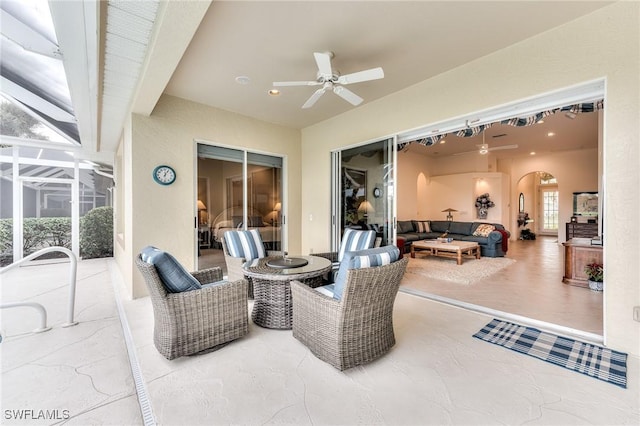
272,306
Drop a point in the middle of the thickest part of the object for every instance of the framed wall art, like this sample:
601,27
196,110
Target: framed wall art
585,204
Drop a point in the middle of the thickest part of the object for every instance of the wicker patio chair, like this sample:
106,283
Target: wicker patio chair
234,266
356,329
194,321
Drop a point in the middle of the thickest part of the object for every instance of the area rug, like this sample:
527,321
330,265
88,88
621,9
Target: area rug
444,269
591,360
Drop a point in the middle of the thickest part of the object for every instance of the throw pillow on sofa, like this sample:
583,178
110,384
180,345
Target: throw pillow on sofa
422,226
484,230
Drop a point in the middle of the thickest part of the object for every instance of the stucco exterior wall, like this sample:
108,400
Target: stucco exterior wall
164,216
605,44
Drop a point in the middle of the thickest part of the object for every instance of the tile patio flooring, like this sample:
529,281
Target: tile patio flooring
436,374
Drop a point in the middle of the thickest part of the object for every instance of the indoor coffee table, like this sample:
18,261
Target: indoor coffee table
271,277
455,249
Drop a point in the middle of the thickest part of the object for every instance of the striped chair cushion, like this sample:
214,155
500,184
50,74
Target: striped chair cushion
174,277
245,244
354,240
363,259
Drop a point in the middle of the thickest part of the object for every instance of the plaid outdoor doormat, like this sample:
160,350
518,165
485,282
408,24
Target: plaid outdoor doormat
591,360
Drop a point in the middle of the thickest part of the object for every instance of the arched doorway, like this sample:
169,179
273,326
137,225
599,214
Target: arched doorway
538,205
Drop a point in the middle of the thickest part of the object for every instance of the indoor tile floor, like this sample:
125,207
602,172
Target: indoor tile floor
531,287
437,373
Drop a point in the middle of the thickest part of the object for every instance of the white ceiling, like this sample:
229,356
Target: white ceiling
412,41
198,48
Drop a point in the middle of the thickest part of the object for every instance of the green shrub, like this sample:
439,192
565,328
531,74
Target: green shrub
58,231
37,233
6,235
96,233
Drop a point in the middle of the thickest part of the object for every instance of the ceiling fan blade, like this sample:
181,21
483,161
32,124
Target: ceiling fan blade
465,152
503,147
296,83
366,75
347,95
324,63
314,98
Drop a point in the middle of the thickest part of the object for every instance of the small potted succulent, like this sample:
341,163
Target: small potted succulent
595,275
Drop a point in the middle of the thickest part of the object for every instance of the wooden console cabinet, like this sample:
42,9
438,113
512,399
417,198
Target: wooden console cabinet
581,230
579,252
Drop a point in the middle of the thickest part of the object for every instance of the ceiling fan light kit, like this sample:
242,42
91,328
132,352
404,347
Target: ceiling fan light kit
333,81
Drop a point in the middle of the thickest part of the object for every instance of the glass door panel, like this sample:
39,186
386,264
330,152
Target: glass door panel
549,197
220,200
365,190
236,190
264,207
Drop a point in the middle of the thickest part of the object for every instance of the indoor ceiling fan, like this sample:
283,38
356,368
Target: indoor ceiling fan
484,148
332,80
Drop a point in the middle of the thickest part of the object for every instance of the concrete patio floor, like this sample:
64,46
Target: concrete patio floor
436,374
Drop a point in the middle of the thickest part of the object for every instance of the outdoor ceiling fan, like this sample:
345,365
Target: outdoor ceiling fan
333,81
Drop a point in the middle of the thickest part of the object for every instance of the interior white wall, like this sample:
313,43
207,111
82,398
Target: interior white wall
575,171
570,54
463,163
164,216
421,196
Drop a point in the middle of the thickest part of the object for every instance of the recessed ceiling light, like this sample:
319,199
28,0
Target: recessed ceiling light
532,153
443,141
274,92
551,134
243,79
540,122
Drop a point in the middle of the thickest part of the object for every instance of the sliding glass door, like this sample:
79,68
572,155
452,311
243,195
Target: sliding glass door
363,190
237,189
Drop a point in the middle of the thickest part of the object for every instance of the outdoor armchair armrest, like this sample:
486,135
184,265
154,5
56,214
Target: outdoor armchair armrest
206,276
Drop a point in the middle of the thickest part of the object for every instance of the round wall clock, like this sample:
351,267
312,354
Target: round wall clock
164,175
377,192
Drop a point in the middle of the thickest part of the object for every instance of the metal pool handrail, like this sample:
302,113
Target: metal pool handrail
73,269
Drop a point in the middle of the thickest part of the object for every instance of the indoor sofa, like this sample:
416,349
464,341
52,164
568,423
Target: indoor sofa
495,244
